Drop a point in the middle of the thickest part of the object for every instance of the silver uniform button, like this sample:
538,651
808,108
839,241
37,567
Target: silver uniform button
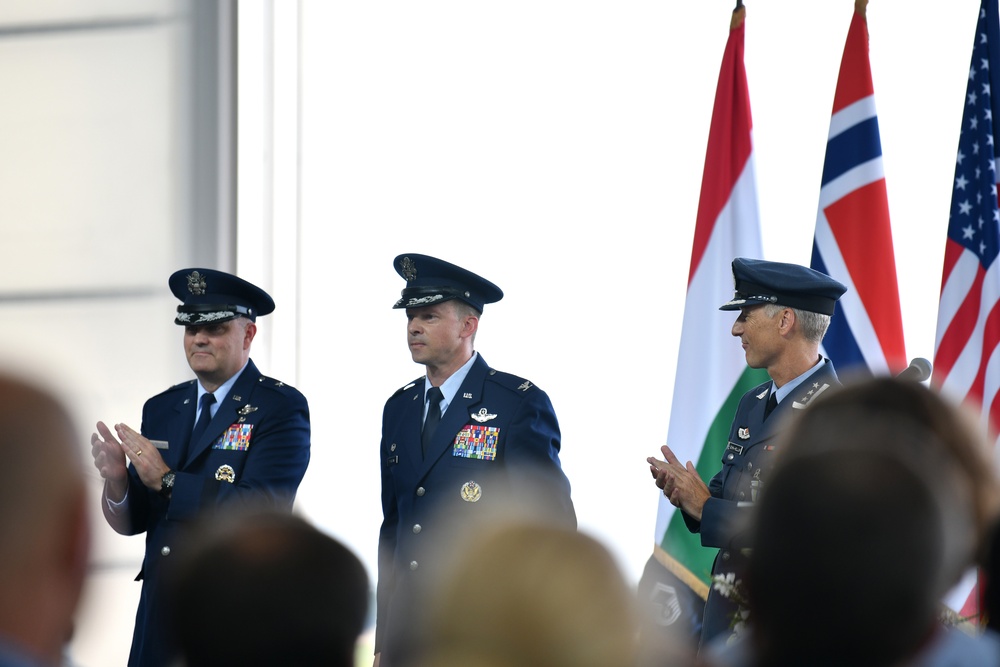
416,528
725,556
742,495
750,465
165,551
420,491
730,457
413,565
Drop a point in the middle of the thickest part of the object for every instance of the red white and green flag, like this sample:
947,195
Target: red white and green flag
712,373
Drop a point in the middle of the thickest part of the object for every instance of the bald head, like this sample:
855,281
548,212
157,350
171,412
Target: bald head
44,535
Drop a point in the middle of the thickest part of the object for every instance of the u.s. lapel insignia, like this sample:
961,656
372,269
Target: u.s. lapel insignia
471,492
466,395
810,395
525,386
225,473
743,432
246,409
482,415
763,394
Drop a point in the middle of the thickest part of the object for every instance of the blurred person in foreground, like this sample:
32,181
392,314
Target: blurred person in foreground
530,595
848,549
785,310
263,589
878,504
457,442
231,437
44,530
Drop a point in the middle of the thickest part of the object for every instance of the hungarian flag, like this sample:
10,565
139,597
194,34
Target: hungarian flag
966,355
712,373
853,239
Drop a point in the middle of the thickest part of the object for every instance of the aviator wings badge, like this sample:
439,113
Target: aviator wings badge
482,416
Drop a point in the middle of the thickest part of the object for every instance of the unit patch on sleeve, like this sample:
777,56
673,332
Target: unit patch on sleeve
236,438
476,441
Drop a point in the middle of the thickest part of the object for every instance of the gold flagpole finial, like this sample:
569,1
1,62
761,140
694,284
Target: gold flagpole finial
739,14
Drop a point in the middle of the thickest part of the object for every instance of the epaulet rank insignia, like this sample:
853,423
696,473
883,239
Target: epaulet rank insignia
512,382
180,385
815,390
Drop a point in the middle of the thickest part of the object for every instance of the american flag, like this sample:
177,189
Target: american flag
853,240
967,358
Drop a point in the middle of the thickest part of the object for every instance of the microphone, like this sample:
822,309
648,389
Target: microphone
918,370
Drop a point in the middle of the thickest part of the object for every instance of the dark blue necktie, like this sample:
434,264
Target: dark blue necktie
203,419
772,403
434,396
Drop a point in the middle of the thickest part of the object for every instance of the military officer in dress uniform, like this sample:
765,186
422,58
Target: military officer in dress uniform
785,310
231,436
455,443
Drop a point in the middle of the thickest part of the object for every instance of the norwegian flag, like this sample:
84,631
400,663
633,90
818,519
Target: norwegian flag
966,356
853,239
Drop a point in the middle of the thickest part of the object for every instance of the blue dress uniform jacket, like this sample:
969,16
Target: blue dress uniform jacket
746,461
498,438
254,451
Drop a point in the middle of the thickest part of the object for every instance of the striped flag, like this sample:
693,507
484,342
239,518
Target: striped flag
712,373
966,355
966,358
853,239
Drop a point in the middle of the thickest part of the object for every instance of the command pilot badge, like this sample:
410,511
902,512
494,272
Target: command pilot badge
482,415
471,492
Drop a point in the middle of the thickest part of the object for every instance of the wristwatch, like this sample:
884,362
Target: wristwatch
167,483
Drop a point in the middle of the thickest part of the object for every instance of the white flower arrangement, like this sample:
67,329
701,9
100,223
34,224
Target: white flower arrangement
732,588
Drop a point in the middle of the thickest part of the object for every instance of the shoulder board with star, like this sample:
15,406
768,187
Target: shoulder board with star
276,385
512,382
809,393
177,387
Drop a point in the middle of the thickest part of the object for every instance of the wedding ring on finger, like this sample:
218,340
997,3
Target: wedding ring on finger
138,452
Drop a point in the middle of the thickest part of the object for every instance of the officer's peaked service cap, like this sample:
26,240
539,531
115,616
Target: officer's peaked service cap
759,282
209,296
430,280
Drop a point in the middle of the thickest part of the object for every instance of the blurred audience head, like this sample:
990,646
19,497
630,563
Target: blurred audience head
267,588
44,528
531,595
917,424
848,548
990,580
